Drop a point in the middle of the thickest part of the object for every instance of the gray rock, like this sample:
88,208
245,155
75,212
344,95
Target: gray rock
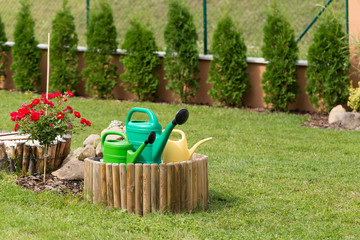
334,112
73,169
98,151
113,136
87,152
91,140
348,120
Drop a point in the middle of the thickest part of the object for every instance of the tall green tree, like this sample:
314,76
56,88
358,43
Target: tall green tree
181,58
4,50
26,55
228,69
328,65
63,48
281,51
140,62
100,73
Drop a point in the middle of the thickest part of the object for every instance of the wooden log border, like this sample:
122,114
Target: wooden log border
142,189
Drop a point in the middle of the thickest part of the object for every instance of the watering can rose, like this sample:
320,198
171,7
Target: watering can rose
44,120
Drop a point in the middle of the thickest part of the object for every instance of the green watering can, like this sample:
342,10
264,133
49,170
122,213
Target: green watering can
115,151
137,132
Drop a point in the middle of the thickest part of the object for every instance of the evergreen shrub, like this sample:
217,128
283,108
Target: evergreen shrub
281,51
100,72
26,55
4,50
140,62
228,69
63,49
181,58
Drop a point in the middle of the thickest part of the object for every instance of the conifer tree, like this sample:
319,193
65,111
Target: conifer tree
26,55
63,49
4,50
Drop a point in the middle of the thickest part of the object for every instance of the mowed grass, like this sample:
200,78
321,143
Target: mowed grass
269,178
249,17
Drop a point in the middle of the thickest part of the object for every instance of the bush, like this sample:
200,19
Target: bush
181,59
140,62
281,51
100,73
328,65
4,50
26,55
63,48
228,69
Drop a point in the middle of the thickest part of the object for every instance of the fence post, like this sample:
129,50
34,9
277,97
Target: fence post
205,27
87,12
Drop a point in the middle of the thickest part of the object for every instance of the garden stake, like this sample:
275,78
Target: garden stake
47,96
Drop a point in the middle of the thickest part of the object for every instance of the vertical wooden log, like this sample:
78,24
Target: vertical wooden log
59,153
103,183
200,194
154,187
39,153
26,156
109,185
67,147
170,168
138,189
51,156
12,159
123,184
19,155
86,177
188,197
146,188
32,160
91,180
202,189
194,183
3,156
162,186
96,183
206,183
177,187
183,186
130,185
116,185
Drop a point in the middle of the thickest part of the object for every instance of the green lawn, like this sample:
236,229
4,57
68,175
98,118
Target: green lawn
269,178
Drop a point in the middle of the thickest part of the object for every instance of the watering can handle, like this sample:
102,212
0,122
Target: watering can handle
112,133
179,132
151,115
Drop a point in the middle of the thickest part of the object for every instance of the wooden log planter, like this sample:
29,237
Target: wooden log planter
29,158
144,188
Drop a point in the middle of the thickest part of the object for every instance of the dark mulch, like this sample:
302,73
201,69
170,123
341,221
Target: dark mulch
35,183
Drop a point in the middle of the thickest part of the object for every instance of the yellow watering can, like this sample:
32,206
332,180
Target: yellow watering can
176,150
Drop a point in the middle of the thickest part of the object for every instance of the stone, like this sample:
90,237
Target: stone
113,136
98,151
73,169
334,112
348,120
91,140
87,152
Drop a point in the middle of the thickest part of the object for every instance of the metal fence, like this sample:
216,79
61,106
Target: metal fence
248,15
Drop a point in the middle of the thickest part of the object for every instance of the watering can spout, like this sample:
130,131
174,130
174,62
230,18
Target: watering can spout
181,117
192,150
133,156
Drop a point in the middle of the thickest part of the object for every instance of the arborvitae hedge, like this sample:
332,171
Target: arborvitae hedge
228,69
140,62
280,49
26,55
181,59
100,72
328,65
4,50
63,49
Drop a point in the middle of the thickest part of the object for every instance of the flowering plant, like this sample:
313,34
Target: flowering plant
44,120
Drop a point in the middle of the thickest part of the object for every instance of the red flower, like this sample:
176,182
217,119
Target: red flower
83,121
35,101
43,96
16,127
13,118
68,109
77,114
35,116
51,96
70,126
88,123
23,111
51,125
64,99
69,93
13,114
60,116
57,94
41,112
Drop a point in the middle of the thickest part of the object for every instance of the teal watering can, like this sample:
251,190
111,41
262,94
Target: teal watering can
137,132
115,151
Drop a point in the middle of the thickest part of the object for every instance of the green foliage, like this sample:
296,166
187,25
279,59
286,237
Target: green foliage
181,59
100,72
140,62
281,51
328,65
228,70
26,55
4,50
354,98
63,49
